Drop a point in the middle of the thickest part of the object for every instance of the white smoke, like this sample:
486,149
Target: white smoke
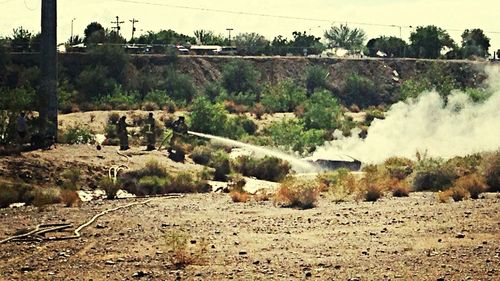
460,127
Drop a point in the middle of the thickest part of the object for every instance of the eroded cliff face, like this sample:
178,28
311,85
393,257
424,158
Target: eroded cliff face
386,74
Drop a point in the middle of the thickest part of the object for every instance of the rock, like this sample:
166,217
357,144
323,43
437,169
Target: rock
242,253
460,235
337,267
193,241
308,274
440,279
100,226
256,262
140,274
109,262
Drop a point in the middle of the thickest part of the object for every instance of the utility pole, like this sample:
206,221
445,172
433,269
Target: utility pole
117,27
133,21
229,30
48,86
71,38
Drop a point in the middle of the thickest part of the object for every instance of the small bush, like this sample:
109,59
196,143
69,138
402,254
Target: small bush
8,195
181,253
458,193
152,168
222,165
46,196
236,183
371,192
239,197
202,154
267,168
77,134
150,185
72,177
433,174
398,167
110,187
474,184
400,188
492,171
444,196
262,196
240,76
70,198
297,193
184,182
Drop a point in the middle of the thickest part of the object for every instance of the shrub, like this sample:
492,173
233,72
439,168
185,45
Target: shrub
246,124
72,177
432,174
465,165
267,168
111,188
400,188
398,167
8,195
458,193
474,184
321,111
180,252
340,184
239,197
360,91
316,78
179,86
46,196
160,98
119,99
240,76
152,168
222,165
291,135
207,117
492,171
184,182
93,81
202,154
70,198
297,193
372,192
262,196
77,134
283,97
150,185
444,196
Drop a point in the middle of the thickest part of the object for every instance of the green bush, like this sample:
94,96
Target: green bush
12,102
478,95
360,91
207,117
119,99
436,77
110,187
184,182
316,78
221,163
291,135
202,154
321,111
267,168
94,82
77,134
8,195
46,196
433,174
282,97
160,98
240,76
399,167
180,87
150,185
112,57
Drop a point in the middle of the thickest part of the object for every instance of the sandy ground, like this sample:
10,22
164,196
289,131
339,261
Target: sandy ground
394,239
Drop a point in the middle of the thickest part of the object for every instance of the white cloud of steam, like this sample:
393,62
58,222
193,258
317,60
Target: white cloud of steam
459,128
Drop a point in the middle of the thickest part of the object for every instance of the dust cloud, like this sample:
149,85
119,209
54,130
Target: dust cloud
427,124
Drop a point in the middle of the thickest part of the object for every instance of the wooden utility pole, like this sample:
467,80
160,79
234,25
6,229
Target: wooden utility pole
117,27
133,21
48,67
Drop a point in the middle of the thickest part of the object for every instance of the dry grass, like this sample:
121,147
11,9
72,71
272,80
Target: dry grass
45,196
297,193
444,196
239,197
110,187
372,192
262,196
181,251
70,198
455,193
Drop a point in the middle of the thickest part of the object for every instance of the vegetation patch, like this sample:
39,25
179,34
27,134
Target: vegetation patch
297,193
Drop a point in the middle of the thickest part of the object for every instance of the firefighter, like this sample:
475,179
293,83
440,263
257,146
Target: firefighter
121,130
151,132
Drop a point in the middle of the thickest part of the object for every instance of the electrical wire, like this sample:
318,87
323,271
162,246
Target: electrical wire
274,15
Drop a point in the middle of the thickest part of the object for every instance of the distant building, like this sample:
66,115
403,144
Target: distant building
205,49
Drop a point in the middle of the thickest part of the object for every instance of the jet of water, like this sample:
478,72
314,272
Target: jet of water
298,165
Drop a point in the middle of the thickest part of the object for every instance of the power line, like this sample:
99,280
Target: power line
273,15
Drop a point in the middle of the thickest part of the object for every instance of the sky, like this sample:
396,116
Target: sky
376,18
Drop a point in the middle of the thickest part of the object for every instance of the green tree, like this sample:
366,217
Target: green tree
180,87
240,76
279,46
428,42
165,37
207,37
302,41
21,39
321,111
344,37
251,44
392,46
95,31
475,43
291,134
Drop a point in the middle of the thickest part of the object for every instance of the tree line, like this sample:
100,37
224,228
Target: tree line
429,42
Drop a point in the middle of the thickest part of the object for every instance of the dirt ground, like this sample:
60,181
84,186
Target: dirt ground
394,239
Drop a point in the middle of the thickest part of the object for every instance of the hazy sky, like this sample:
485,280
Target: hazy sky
453,15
